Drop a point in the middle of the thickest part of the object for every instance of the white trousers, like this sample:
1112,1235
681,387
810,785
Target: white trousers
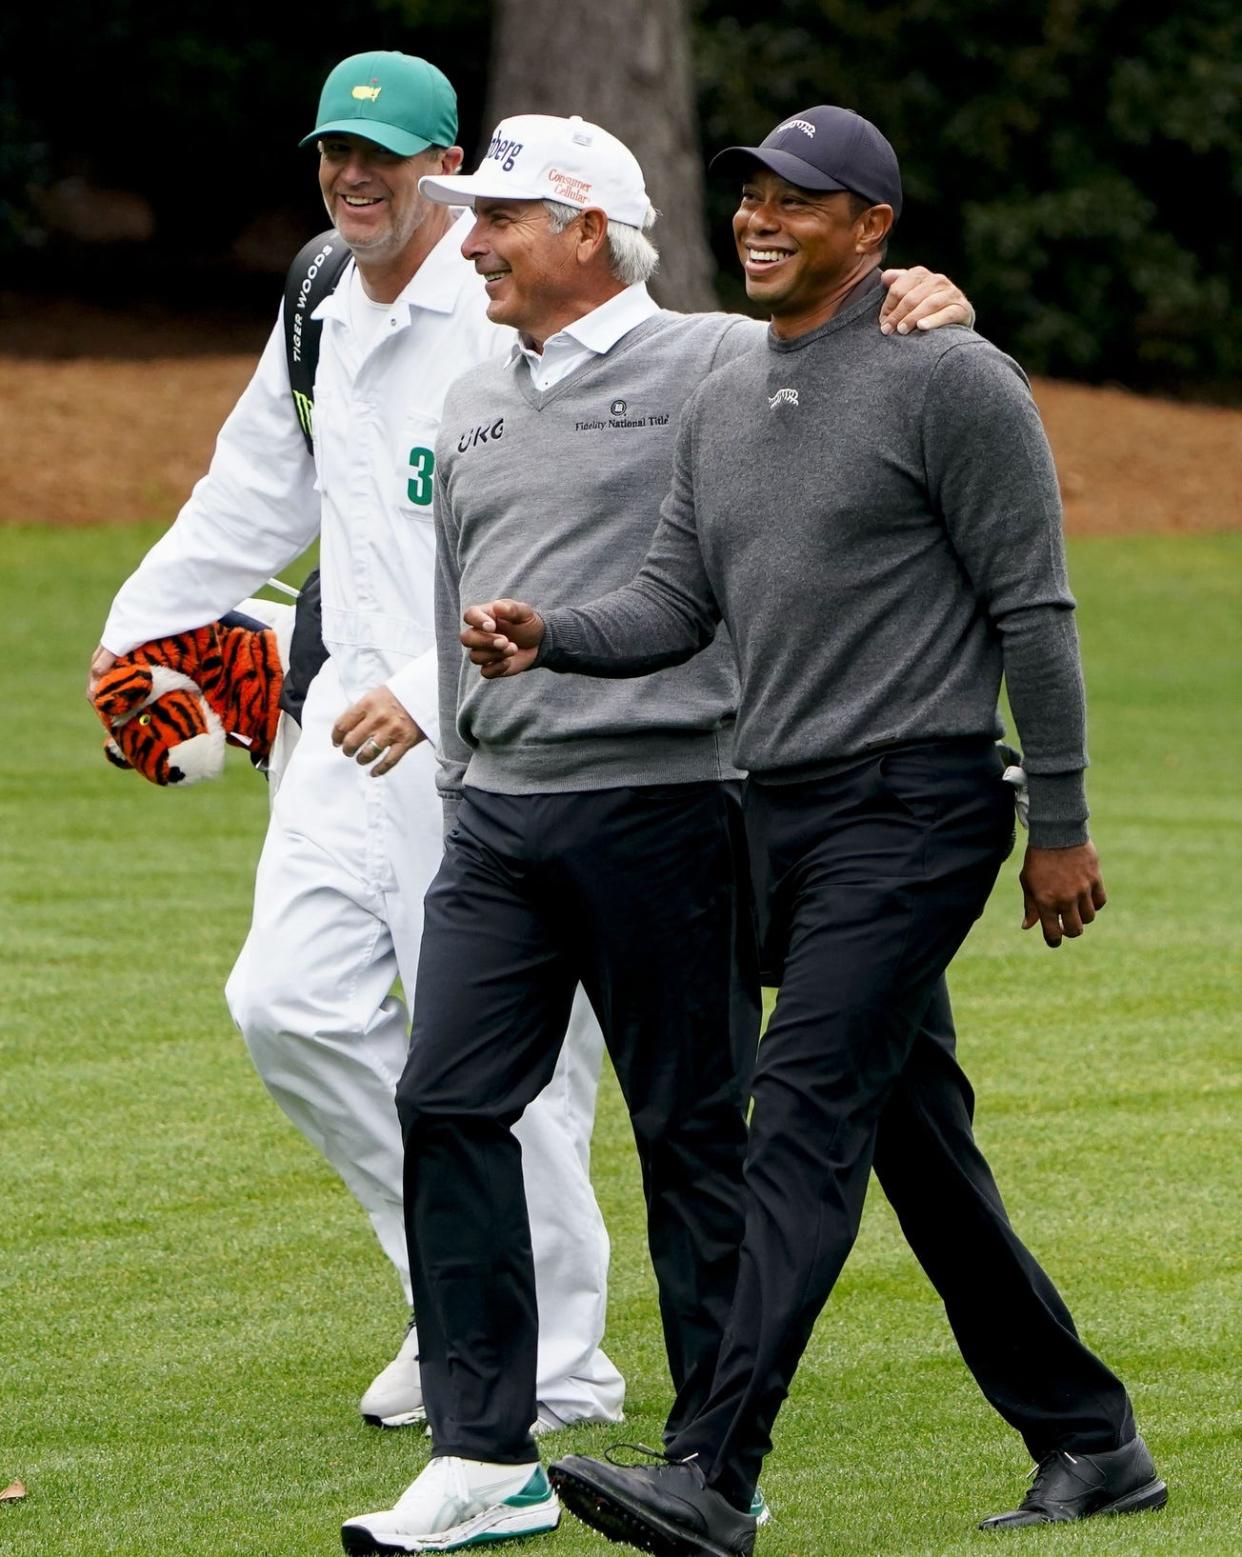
337,918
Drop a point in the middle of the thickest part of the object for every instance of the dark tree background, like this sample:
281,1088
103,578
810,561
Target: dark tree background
627,66
1075,163
198,108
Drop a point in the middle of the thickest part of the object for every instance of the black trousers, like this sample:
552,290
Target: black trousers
641,895
869,882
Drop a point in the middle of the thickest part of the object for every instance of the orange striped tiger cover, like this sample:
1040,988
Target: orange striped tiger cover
172,705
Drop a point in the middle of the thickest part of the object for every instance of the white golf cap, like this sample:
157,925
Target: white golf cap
540,157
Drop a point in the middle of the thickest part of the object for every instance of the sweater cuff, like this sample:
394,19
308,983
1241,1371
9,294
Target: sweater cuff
1058,810
546,656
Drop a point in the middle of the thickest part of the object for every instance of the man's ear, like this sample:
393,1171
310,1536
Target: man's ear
592,233
874,225
451,160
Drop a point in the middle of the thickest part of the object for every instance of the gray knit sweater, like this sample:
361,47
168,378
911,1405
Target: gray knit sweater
555,496
877,521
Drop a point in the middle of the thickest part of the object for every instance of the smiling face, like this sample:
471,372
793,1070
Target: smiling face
372,195
802,250
537,280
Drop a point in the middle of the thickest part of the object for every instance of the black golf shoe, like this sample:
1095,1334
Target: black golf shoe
665,1509
1079,1486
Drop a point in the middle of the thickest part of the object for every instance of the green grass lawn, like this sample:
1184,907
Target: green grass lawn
190,1303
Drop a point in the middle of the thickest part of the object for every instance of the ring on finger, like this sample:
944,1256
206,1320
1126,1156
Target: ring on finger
372,745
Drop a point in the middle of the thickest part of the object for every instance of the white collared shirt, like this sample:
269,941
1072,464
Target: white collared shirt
591,336
368,493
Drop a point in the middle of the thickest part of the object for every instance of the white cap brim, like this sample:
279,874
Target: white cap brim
466,188
463,189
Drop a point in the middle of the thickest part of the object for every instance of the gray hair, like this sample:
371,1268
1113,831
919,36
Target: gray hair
632,257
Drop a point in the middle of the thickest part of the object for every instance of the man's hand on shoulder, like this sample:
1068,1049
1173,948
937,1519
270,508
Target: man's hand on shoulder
1061,890
503,637
376,729
101,662
920,299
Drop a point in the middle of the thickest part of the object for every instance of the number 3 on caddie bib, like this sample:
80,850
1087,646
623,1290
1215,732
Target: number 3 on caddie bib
419,487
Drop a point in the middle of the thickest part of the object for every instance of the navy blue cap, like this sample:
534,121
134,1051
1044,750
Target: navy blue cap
826,148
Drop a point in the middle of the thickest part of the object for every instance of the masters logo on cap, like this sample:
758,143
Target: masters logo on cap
541,157
400,102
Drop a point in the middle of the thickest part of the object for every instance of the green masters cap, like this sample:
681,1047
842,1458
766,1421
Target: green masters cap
399,102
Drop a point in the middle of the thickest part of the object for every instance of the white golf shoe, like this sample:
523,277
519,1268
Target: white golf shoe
395,1396
458,1503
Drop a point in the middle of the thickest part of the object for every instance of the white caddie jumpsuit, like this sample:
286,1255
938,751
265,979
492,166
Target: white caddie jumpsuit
348,857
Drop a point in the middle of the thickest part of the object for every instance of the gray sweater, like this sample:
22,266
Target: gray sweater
877,521
555,496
